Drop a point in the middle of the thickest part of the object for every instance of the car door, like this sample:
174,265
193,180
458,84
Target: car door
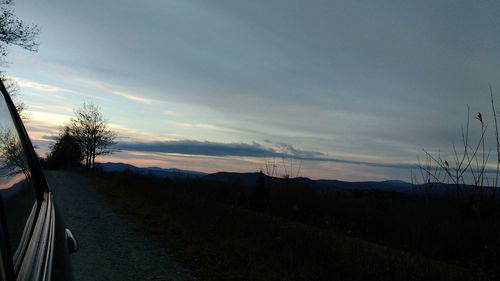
33,240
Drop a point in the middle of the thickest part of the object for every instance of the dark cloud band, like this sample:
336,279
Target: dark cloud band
192,147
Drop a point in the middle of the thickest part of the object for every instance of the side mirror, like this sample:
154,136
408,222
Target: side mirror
71,241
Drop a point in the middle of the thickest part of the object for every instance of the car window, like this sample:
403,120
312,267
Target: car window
16,185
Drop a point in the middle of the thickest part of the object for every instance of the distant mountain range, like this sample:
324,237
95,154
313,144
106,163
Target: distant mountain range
250,179
154,171
437,189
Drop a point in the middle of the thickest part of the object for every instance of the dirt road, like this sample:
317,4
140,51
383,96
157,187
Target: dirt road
110,247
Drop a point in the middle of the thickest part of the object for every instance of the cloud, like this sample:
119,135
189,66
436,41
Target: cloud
171,113
271,150
193,147
118,91
25,83
207,148
44,117
49,137
290,150
130,96
204,126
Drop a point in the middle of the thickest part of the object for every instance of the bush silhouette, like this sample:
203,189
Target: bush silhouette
65,153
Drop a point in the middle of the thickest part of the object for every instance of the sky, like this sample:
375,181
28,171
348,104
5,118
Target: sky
350,90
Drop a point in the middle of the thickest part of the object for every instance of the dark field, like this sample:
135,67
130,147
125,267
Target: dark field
293,232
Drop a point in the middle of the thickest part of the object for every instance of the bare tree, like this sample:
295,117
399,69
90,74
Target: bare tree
468,164
14,31
12,157
12,88
91,132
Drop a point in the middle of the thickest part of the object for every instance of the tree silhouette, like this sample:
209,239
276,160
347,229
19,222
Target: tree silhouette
12,88
91,131
12,158
65,153
260,193
14,31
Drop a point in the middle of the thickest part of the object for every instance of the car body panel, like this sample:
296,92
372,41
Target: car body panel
42,251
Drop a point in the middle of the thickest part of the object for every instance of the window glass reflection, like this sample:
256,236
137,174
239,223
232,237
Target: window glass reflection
16,186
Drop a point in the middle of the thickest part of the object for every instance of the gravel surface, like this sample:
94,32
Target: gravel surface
110,247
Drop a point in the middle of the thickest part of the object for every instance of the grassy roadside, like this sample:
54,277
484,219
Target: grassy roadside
224,242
